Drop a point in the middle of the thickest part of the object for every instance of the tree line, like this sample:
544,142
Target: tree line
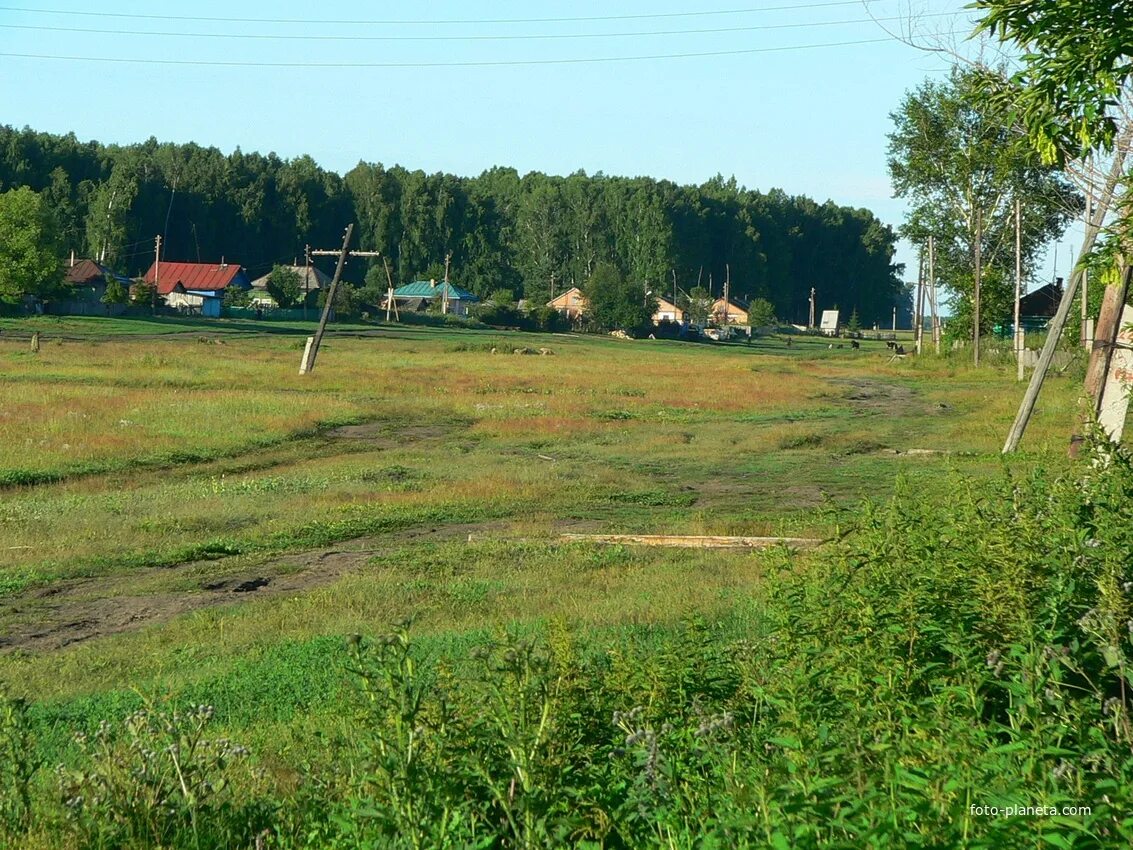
529,234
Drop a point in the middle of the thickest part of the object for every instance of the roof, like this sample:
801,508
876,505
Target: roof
319,279
86,272
432,289
1043,301
196,276
733,304
571,297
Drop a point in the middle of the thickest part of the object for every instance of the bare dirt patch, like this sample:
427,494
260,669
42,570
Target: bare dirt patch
75,611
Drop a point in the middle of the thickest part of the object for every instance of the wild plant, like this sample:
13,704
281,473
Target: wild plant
156,780
19,762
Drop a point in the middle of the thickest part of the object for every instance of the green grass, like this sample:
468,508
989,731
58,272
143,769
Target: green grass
453,478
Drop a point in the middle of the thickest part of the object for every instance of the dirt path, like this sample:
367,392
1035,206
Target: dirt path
83,609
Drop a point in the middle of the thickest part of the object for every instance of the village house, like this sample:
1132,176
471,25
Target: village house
667,311
730,312
571,304
196,287
423,294
310,280
85,284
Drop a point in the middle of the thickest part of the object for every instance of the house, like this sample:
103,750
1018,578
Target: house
730,312
667,311
84,285
427,293
571,304
1037,308
828,324
310,279
196,287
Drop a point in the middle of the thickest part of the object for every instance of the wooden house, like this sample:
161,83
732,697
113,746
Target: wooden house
730,312
571,304
311,279
196,287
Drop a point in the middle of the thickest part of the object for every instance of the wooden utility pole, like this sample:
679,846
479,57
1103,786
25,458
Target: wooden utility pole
810,320
306,279
727,290
674,271
1017,327
552,286
444,290
391,301
932,293
1102,352
313,342
156,273
1086,335
894,320
976,293
918,319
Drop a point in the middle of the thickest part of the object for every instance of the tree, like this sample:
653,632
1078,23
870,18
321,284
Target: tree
962,165
285,286
617,303
854,325
698,305
29,247
115,293
761,313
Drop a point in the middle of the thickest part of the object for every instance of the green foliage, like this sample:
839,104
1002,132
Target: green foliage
761,313
144,294
1075,68
346,300
18,765
961,163
698,305
235,296
504,231
29,247
156,780
616,303
115,293
285,286
854,325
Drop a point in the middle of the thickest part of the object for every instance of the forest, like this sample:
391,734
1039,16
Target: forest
527,234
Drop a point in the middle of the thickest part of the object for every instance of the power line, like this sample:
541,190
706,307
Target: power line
526,37
471,64
451,21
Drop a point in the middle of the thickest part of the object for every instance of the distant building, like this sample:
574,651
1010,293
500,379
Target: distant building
731,312
828,324
422,294
84,283
571,304
196,287
667,311
310,280
1037,308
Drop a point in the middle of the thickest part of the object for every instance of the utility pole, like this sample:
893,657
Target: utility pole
552,286
391,301
976,294
918,319
727,290
444,291
894,321
1018,290
674,271
156,273
810,319
1087,337
313,342
932,293
306,279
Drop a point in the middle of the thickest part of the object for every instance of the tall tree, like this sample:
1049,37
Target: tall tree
962,164
29,247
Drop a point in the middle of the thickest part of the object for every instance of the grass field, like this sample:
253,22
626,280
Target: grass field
182,513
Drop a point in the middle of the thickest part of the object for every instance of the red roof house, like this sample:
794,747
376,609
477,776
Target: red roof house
196,277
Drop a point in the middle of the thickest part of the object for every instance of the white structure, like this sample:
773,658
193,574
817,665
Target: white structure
829,323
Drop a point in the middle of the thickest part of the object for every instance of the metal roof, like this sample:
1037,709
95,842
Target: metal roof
318,280
431,289
86,272
195,276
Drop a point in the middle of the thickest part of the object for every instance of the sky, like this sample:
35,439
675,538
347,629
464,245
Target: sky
793,94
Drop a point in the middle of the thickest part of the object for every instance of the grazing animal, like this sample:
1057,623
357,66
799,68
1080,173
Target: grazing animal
890,344
854,344
900,349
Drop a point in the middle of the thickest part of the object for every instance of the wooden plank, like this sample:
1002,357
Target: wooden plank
690,541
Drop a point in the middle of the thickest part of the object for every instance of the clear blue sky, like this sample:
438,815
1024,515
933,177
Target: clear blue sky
810,120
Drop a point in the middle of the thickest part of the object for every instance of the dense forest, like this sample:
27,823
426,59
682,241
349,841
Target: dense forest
503,230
